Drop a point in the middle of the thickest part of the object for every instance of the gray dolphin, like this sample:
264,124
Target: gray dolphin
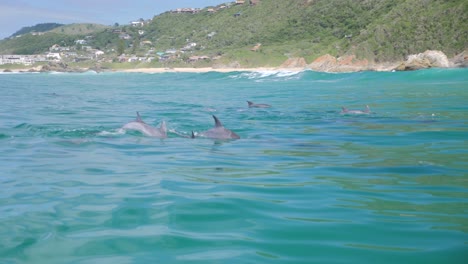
218,132
146,129
252,104
355,112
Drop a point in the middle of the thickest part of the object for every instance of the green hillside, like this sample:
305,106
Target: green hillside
43,27
52,33
79,29
34,44
378,30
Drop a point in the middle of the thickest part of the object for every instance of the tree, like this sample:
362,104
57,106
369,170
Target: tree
121,47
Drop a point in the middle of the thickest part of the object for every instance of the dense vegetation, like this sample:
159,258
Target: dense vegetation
44,27
63,35
379,30
29,44
376,29
80,29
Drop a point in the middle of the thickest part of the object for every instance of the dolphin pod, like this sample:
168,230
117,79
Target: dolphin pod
355,112
217,132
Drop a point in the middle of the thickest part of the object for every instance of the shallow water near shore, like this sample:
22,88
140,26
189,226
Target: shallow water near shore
304,184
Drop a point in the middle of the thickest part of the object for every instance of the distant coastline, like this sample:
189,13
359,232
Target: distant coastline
325,63
184,70
382,68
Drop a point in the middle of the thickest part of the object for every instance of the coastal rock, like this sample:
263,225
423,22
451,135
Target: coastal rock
59,67
323,63
460,60
54,66
294,63
427,59
347,63
45,68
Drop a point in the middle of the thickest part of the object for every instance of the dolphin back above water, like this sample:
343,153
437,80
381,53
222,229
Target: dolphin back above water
252,104
146,129
218,132
355,112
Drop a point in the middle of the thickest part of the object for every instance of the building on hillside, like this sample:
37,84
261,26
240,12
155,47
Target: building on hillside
58,48
125,36
240,2
198,58
98,53
70,54
54,56
171,51
122,58
137,23
211,35
81,42
189,46
186,10
16,59
146,42
254,2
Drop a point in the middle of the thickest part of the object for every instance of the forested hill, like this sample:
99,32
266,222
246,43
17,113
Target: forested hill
378,30
374,29
43,27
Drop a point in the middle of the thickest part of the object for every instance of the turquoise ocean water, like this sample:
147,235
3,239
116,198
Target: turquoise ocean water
304,184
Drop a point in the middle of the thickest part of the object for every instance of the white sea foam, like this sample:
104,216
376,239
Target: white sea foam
119,131
17,72
259,75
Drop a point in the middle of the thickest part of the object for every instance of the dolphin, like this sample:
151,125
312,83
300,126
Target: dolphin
252,104
146,129
218,132
355,112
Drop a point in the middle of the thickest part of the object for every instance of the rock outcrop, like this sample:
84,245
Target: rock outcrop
347,63
427,59
460,60
323,63
60,67
294,63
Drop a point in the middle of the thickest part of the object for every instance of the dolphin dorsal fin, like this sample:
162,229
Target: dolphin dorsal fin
250,103
344,109
193,135
163,127
138,118
217,122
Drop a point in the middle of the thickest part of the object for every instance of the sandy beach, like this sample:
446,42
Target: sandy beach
165,70
209,69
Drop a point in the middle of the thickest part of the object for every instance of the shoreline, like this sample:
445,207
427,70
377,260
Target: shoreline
374,68
208,69
158,70
326,63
